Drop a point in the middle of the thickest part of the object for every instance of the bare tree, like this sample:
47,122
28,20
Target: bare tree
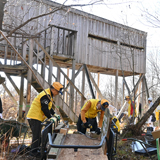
2,4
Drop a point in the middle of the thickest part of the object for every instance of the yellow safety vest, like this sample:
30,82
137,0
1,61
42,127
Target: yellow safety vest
92,111
129,109
35,111
117,123
157,112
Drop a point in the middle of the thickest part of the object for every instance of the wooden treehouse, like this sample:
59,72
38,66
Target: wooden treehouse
72,39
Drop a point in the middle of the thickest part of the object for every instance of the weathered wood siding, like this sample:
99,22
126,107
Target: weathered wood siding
100,42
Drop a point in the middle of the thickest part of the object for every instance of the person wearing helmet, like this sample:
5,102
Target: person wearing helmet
87,117
150,102
41,108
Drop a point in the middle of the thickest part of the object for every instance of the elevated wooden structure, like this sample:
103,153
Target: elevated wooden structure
67,38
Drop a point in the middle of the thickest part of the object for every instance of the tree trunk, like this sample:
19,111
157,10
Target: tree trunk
147,114
2,3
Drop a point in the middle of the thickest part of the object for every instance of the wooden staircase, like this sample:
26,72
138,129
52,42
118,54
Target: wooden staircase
39,63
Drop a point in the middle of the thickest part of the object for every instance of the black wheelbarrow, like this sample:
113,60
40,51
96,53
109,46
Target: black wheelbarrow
10,129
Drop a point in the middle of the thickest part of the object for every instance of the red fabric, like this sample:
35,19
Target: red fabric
131,109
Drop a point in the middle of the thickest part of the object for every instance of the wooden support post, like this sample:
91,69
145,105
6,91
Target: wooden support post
143,96
97,95
6,52
58,80
50,72
58,75
44,58
50,62
66,96
116,88
71,87
24,50
21,96
83,87
21,99
122,93
75,44
29,76
138,101
14,51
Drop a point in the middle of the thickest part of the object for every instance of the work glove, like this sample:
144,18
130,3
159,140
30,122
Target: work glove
52,120
87,125
98,131
57,116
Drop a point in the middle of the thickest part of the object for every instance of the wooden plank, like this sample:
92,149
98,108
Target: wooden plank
53,151
64,131
29,76
81,154
60,125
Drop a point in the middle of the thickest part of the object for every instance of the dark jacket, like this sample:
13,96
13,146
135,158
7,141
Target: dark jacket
1,109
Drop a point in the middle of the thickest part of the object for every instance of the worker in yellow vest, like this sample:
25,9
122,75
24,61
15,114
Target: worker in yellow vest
41,108
130,107
87,117
117,123
157,112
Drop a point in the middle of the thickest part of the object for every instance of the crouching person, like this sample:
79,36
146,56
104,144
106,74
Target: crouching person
41,108
87,117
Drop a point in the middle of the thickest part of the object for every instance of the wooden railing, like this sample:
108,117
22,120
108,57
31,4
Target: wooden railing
73,101
33,54
60,39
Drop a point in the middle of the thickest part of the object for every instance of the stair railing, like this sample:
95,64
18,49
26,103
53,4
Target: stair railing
42,58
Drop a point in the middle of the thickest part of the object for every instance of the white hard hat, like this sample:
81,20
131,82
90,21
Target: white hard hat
149,99
125,112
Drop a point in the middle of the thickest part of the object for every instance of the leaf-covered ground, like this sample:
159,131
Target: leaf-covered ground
124,150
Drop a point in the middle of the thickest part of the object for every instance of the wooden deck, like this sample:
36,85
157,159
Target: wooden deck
85,154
